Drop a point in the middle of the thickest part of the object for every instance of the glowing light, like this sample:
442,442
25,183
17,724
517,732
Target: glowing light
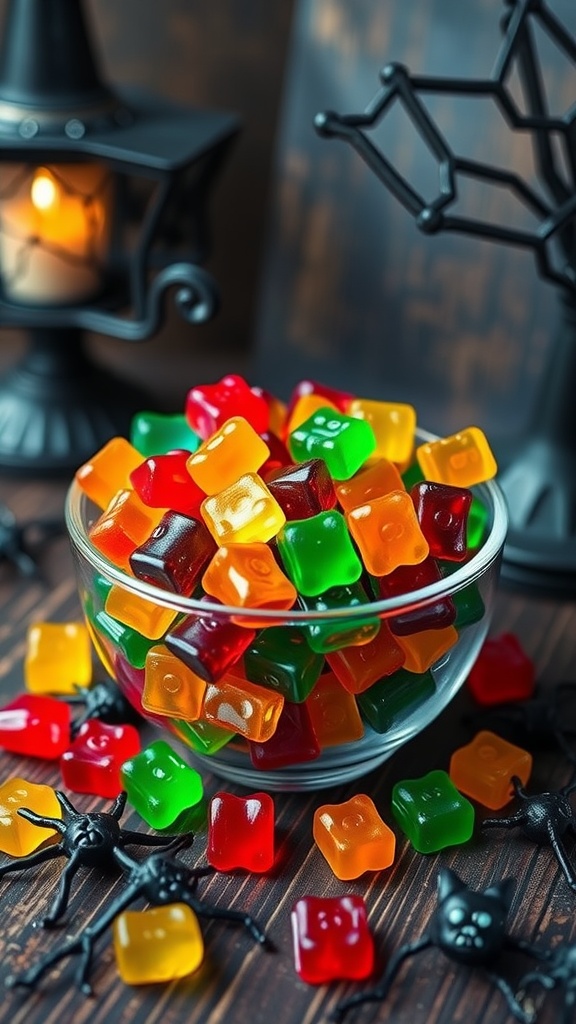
43,190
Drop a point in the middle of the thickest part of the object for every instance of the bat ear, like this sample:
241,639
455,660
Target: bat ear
503,891
448,884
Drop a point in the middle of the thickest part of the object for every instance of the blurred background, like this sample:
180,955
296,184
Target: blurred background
321,272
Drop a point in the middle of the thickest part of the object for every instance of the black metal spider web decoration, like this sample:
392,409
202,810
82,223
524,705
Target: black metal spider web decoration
30,241
556,226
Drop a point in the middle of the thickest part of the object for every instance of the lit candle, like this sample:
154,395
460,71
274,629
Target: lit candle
55,226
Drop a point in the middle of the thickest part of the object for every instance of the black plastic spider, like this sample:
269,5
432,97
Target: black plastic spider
558,970
535,723
18,543
87,839
469,928
160,880
544,818
103,700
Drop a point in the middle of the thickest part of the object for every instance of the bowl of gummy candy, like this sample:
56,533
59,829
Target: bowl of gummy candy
293,590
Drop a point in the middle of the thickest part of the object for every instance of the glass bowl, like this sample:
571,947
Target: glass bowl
410,703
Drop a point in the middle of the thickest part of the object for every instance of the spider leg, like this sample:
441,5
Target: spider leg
514,819
561,856
41,820
129,836
513,1004
379,993
117,809
236,916
60,903
38,857
82,943
537,976
65,804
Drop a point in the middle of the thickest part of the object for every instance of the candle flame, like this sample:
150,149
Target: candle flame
43,191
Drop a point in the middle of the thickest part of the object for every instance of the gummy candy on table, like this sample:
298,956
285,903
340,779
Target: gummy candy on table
463,459
358,667
209,643
208,406
294,741
303,409
331,939
161,787
343,442
442,512
232,451
422,650
58,657
248,576
318,553
393,423
156,433
340,399
435,614
375,481
324,636
163,481
125,523
281,659
334,713
243,512
241,832
388,703
388,533
411,475
302,490
170,687
146,617
353,838
158,944
247,709
175,554
93,760
483,769
502,672
432,813
19,837
108,471
35,726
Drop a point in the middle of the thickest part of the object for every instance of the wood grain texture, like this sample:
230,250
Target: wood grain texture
352,292
237,982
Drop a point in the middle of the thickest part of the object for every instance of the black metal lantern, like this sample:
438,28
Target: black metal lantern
102,212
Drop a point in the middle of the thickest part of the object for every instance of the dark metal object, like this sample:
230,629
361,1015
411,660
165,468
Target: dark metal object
19,543
541,721
544,818
469,928
57,407
539,474
158,879
103,701
88,840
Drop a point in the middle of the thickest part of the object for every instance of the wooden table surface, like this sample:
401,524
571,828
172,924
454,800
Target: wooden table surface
238,982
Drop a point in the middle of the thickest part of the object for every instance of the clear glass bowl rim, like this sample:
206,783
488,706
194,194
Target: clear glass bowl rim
464,575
